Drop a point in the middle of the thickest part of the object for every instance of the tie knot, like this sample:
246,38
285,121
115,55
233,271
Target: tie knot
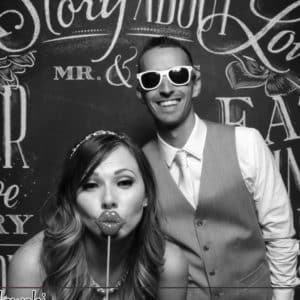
181,158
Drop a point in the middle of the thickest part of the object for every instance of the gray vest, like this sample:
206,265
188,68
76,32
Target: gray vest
221,239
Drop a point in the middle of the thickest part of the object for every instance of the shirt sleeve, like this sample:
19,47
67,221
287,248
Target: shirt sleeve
274,211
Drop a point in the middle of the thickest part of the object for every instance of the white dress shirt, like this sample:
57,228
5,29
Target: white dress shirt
264,182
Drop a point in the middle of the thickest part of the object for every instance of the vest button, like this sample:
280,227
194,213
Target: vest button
219,294
199,223
205,248
212,273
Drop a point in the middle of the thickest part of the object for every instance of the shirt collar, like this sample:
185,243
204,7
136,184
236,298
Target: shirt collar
194,145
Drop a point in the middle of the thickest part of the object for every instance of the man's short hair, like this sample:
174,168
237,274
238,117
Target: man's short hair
163,42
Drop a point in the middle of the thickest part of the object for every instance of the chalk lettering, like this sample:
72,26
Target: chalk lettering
252,39
235,116
280,118
48,17
201,22
276,40
3,32
114,72
292,169
18,220
7,110
148,10
36,27
167,10
2,229
3,269
106,14
293,53
191,14
224,19
73,73
170,14
67,11
4,261
9,195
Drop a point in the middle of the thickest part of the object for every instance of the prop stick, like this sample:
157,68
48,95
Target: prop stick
109,223
107,267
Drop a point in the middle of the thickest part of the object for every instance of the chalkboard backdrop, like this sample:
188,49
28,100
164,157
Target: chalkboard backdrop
67,67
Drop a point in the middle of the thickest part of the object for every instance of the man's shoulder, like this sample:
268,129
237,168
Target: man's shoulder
218,126
150,145
240,130
249,138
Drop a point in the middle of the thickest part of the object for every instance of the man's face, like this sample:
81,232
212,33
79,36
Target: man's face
170,105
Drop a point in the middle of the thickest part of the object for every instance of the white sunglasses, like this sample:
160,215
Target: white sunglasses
178,75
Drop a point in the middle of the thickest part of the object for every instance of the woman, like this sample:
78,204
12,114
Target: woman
105,172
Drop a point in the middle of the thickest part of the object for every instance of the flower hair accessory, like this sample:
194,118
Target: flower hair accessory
93,134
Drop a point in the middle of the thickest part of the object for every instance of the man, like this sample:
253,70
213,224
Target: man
225,203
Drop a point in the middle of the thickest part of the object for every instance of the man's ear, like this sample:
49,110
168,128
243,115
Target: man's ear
197,83
139,93
145,203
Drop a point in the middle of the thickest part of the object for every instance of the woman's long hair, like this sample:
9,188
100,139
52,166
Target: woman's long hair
63,255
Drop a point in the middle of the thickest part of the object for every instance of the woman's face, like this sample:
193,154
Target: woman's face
115,185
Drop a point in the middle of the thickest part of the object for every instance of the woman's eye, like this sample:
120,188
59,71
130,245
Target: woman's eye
89,185
125,183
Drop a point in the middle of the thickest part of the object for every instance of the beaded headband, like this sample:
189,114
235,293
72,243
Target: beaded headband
93,134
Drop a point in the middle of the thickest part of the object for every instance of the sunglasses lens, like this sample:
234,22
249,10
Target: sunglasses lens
150,80
179,75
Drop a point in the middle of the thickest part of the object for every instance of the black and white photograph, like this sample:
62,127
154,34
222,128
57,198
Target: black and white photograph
149,149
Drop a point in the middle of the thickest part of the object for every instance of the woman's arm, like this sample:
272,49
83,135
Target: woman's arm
173,280
25,273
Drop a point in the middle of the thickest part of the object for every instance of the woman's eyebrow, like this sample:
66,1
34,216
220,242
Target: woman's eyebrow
124,170
94,175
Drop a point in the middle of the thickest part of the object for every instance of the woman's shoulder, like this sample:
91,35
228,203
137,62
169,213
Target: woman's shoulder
25,268
175,266
30,251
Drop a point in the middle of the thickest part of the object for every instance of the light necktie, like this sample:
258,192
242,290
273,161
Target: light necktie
185,182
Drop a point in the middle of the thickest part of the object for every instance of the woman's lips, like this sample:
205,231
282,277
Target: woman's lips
110,222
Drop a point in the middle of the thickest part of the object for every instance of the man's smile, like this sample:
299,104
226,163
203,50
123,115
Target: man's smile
168,102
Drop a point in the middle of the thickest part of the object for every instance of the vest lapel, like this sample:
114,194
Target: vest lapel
168,190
